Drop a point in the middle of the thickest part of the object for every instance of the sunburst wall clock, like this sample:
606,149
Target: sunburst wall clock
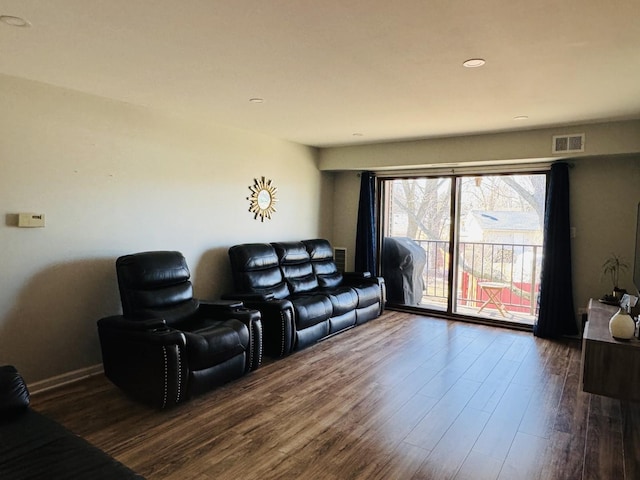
262,199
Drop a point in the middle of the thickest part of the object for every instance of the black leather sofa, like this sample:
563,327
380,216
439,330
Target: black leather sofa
33,446
300,293
168,346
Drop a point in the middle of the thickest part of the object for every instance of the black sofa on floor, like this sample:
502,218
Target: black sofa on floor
168,346
301,295
33,446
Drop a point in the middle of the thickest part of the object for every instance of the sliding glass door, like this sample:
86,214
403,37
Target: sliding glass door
417,240
465,245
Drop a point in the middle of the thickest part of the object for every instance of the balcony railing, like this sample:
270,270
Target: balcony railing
514,266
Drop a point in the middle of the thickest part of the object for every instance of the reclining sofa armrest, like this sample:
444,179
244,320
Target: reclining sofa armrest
149,365
235,309
361,278
219,308
277,319
278,324
133,325
249,297
253,320
355,278
14,395
357,275
383,291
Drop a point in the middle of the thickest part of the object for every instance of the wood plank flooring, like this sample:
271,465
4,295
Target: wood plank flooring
402,397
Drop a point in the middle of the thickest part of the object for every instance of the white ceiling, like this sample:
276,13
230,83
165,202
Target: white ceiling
331,68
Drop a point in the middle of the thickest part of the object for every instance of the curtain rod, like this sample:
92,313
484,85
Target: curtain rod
470,170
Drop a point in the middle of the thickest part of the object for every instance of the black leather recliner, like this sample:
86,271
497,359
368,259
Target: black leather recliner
300,293
168,346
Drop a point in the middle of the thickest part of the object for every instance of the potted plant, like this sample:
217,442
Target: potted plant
611,268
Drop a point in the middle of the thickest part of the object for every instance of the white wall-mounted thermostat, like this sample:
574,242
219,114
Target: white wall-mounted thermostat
30,220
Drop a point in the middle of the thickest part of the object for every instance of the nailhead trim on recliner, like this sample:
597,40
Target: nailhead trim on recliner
166,380
179,393
282,336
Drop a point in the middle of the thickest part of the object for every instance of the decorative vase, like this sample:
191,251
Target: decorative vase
622,326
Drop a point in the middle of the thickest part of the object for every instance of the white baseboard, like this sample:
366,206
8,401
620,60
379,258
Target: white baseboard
65,379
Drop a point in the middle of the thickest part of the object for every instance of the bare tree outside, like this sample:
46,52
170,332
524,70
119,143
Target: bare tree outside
425,202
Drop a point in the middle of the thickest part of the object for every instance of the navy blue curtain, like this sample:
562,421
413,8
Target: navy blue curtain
365,259
556,316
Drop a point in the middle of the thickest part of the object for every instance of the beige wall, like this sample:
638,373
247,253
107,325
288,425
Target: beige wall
113,179
614,138
605,193
345,212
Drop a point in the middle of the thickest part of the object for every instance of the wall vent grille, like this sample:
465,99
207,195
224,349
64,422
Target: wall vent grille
568,143
340,257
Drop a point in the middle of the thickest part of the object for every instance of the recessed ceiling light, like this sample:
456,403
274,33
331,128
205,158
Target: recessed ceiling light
521,117
474,62
256,100
14,21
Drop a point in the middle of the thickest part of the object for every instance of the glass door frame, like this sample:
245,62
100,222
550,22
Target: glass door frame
454,231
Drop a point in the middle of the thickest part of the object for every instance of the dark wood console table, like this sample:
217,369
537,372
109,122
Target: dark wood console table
609,367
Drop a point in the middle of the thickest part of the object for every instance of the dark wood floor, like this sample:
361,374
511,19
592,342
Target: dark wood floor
402,397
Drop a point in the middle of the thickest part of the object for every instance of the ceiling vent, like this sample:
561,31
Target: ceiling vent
568,143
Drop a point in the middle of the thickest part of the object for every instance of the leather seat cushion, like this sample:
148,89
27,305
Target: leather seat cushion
367,294
329,280
209,344
343,300
303,284
266,282
311,309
